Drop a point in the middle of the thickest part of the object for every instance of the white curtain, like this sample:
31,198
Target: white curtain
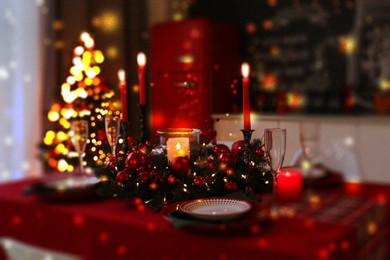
20,88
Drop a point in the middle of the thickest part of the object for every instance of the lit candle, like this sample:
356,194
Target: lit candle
123,87
245,96
141,60
176,147
290,184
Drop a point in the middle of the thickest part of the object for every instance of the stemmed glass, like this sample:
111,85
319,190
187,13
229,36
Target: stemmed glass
309,136
275,148
79,128
112,123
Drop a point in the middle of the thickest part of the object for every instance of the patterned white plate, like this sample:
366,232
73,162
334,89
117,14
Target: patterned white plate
73,182
216,208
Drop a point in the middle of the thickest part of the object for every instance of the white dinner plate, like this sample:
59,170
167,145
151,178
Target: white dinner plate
72,182
216,208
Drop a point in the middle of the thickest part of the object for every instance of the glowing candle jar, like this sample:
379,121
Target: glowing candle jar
178,147
178,141
290,184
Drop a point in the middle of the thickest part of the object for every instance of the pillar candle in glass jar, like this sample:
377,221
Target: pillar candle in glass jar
178,141
176,147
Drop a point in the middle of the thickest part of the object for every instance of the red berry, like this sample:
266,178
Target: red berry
135,160
122,176
231,186
199,181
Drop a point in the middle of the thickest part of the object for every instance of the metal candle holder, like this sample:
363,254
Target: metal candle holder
143,135
247,139
125,144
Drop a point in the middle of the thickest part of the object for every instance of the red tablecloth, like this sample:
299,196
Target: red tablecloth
111,229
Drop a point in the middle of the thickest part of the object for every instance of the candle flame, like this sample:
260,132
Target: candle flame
122,75
141,59
245,70
178,146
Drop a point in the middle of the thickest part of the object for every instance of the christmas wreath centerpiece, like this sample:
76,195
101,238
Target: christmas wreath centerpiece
144,172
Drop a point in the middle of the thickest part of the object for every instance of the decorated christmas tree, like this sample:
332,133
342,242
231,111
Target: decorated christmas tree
85,95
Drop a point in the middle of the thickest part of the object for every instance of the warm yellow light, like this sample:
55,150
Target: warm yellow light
67,112
53,116
65,123
84,113
85,36
55,107
79,76
89,43
91,73
112,52
81,92
62,136
62,165
77,60
70,80
87,57
98,56
347,44
384,84
96,69
49,137
88,81
96,81
50,134
78,50
59,148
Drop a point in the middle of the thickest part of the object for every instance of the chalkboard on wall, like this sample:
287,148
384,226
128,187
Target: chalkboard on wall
311,56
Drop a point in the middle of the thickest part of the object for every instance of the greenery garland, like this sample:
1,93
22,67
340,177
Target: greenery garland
211,170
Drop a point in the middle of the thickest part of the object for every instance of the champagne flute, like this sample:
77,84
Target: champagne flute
112,123
275,148
79,128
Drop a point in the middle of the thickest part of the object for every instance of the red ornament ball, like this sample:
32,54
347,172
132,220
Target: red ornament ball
135,160
221,148
210,164
199,181
238,147
101,135
260,152
112,163
226,158
122,176
181,165
231,186
144,176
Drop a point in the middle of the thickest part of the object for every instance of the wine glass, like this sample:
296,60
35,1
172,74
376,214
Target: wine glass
275,148
112,123
309,137
79,128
